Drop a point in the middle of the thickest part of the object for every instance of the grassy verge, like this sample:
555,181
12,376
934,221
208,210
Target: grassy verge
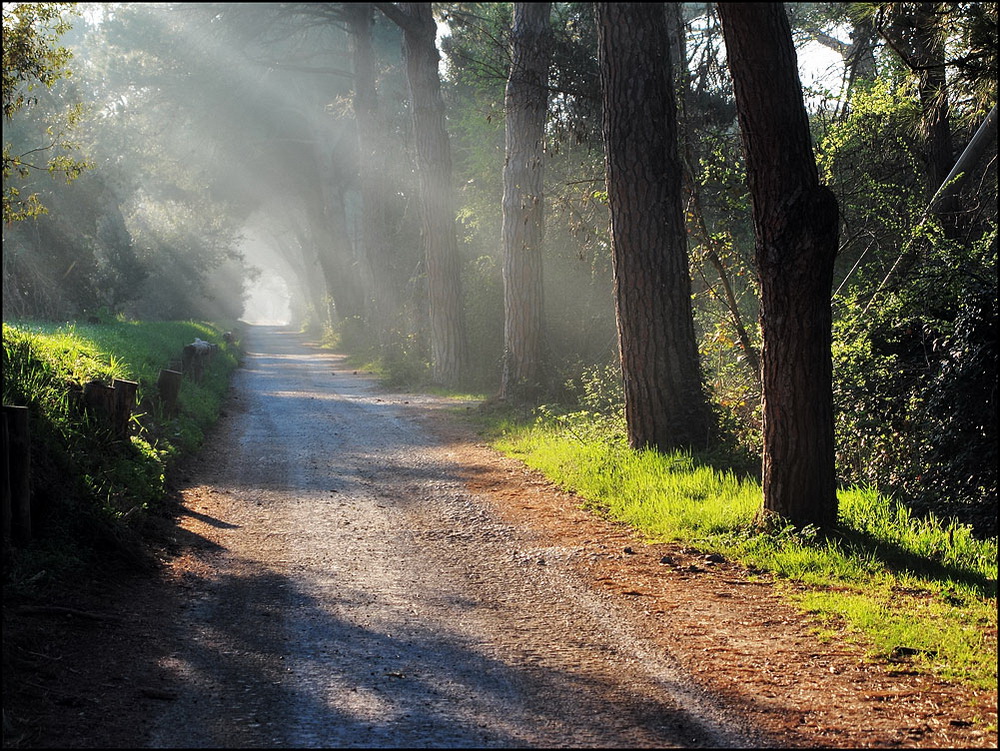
92,493
916,592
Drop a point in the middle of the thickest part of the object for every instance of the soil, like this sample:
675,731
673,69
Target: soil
348,567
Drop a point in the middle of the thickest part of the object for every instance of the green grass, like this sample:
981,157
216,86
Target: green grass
91,491
913,591
71,354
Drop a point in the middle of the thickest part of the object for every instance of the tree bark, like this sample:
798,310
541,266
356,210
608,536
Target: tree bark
523,228
449,350
665,402
308,271
381,305
345,286
678,51
795,227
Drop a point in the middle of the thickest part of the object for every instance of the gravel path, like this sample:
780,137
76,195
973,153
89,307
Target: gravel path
356,594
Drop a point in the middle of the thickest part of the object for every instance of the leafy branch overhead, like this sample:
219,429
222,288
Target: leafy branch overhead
33,58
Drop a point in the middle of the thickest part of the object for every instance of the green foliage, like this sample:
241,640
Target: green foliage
30,53
33,58
915,385
92,490
871,161
148,232
915,350
599,389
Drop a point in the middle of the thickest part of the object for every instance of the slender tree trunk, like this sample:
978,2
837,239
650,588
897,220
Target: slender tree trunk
665,402
861,56
728,293
795,225
372,168
449,350
678,51
293,248
327,232
345,284
526,102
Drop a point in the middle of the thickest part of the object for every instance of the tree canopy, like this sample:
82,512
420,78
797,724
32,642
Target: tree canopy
345,167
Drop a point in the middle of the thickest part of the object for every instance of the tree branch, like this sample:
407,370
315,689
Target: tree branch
397,15
312,69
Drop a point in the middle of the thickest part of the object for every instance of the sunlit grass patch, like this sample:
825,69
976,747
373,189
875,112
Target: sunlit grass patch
918,589
666,496
459,395
957,642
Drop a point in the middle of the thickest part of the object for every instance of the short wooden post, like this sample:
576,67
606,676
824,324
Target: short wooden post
18,461
168,386
5,451
124,401
99,398
192,362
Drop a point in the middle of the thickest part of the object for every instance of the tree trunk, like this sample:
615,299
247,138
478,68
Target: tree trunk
372,169
345,286
309,272
678,51
449,351
321,236
795,226
665,403
526,102
323,178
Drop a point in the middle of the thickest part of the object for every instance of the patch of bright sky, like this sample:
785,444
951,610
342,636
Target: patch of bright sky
93,12
820,68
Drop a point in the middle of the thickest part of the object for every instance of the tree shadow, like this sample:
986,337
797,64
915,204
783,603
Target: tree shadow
898,559
263,661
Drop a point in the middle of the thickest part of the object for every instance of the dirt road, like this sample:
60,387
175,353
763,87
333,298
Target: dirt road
351,590
347,567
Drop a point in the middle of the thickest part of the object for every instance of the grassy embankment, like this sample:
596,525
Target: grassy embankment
93,495
920,593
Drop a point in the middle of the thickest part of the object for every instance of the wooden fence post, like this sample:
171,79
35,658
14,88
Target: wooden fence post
99,397
17,458
124,401
168,385
5,448
192,363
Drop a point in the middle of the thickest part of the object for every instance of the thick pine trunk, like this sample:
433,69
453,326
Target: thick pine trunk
665,403
795,225
526,102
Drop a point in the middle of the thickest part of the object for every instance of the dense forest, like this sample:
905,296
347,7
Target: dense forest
750,229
